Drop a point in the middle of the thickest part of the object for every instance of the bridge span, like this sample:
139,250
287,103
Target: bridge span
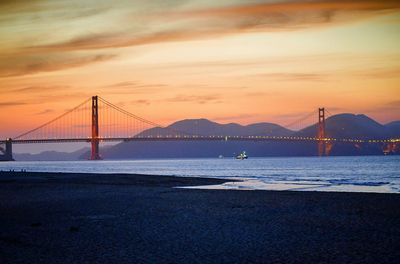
85,122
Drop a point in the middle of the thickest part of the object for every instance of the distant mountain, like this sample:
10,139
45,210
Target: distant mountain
338,126
353,127
350,126
192,149
51,155
394,128
206,127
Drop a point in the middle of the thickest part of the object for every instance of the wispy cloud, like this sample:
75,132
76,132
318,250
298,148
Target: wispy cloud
44,112
133,87
212,22
386,111
296,6
40,88
16,66
121,85
378,73
200,99
261,94
11,103
236,117
130,84
312,77
390,106
77,97
164,25
141,102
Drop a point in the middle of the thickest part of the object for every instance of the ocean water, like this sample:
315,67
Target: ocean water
346,174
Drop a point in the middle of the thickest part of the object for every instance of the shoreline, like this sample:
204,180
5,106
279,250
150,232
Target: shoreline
189,182
123,218
107,178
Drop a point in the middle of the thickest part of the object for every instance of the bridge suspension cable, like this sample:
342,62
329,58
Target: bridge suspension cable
46,125
300,121
114,122
130,124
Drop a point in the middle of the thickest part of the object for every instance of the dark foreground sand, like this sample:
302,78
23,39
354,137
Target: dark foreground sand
80,218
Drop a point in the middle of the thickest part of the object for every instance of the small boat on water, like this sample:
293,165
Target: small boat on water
242,156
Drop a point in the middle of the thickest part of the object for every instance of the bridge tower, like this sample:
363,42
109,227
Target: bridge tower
321,132
7,151
8,154
95,129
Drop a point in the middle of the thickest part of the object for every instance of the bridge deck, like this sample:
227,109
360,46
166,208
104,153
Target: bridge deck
201,138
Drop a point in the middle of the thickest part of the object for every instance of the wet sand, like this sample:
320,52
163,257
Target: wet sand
117,218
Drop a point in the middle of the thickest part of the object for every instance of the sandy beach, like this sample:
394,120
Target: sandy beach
121,218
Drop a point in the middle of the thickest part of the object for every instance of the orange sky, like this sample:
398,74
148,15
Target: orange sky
229,61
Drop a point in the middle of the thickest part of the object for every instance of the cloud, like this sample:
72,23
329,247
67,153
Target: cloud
164,25
141,101
130,84
118,40
200,99
394,103
288,7
261,94
388,111
40,88
76,97
14,103
313,77
46,111
121,84
236,117
16,66
17,5
213,22
392,106
50,11
132,87
333,110
379,73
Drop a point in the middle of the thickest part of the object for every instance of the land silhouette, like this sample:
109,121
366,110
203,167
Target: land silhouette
337,126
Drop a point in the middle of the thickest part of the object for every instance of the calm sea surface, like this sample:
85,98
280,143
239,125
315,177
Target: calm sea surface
357,174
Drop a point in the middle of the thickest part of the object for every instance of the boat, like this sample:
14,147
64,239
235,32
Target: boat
242,156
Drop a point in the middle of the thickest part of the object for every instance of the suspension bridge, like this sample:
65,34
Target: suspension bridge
96,120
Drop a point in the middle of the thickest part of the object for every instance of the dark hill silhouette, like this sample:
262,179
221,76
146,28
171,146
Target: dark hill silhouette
52,155
206,127
350,126
394,128
338,126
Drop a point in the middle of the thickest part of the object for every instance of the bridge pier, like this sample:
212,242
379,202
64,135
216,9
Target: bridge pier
8,151
390,148
95,153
